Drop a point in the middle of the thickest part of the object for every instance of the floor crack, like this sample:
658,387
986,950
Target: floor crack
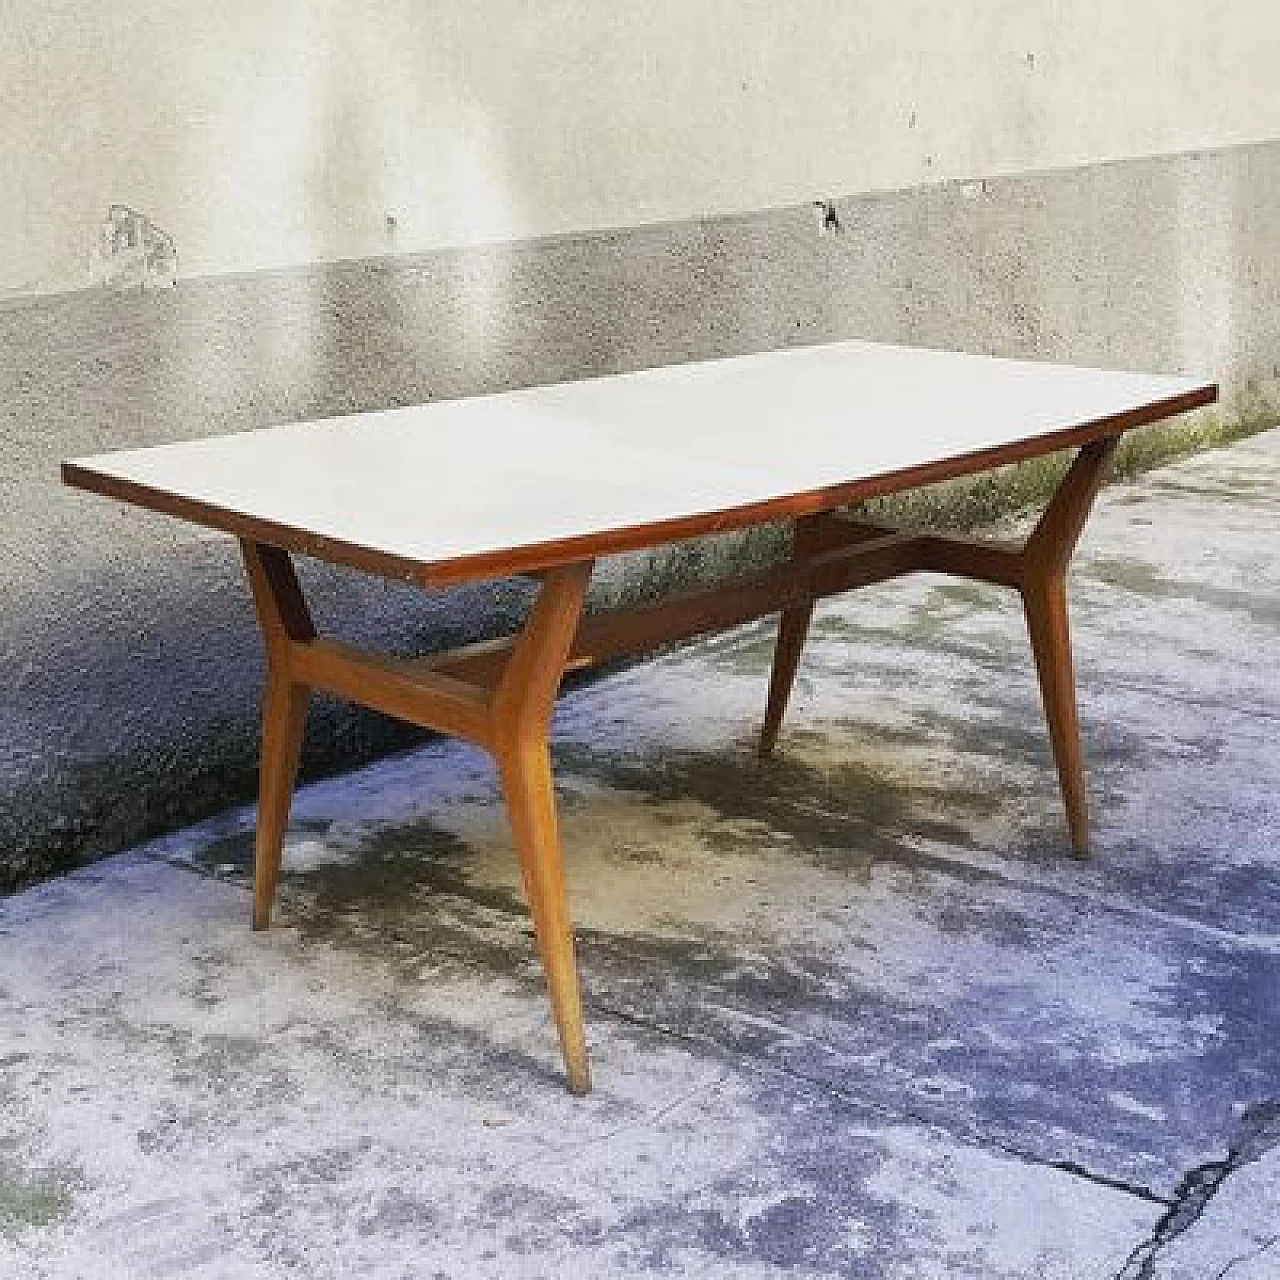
970,1137
1259,1132
1265,1247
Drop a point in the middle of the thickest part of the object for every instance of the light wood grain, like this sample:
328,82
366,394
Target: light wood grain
522,705
286,629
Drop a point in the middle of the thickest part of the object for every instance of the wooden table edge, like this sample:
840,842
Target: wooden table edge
549,554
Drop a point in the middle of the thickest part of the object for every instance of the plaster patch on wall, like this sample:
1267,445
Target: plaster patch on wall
133,253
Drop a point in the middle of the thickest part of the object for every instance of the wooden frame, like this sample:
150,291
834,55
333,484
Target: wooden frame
500,694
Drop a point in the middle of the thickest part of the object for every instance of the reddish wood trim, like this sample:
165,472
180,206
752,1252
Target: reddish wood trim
277,596
246,528
546,555
995,562
1052,543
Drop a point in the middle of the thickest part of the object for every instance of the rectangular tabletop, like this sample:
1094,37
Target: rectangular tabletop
528,479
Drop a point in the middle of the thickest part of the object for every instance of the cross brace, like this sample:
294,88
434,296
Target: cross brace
500,694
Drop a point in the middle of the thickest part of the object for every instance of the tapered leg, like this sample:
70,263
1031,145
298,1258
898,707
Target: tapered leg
1045,606
1042,580
526,780
793,627
284,713
286,625
522,706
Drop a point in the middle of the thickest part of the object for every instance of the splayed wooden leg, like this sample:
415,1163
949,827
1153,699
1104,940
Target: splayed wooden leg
284,713
1043,585
286,625
521,723
793,627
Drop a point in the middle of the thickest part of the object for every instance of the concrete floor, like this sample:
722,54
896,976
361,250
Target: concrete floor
853,1013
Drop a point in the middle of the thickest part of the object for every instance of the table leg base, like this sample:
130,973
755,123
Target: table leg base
508,713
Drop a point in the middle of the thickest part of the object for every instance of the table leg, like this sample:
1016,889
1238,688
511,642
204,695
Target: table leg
284,713
522,707
525,770
506,708
793,628
285,623
1045,607
1043,586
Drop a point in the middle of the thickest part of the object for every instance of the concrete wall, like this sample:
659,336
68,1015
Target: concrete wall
264,133
382,204
128,657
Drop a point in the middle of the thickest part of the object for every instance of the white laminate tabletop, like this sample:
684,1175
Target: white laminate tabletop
461,479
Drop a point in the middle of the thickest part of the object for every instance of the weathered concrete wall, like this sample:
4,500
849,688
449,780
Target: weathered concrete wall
129,664
282,133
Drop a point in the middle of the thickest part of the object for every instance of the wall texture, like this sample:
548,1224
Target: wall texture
266,133
129,666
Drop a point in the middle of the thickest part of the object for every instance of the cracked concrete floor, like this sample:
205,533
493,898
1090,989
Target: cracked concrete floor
853,1013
